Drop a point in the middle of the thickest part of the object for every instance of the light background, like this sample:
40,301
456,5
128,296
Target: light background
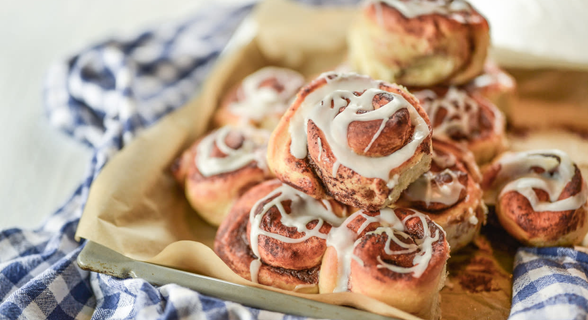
40,167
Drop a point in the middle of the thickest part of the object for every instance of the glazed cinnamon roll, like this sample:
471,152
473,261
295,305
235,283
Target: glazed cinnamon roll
348,136
539,196
397,256
497,86
449,194
220,167
276,236
419,42
260,99
461,116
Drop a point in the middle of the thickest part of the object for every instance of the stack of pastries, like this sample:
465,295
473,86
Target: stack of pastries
365,181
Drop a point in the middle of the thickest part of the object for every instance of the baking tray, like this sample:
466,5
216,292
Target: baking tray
98,258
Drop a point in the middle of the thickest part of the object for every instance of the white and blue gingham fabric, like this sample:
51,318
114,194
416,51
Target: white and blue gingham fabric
550,283
104,96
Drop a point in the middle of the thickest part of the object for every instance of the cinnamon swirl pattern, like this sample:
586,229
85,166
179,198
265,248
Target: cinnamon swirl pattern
260,99
419,42
276,235
397,256
465,117
540,197
348,136
497,86
220,167
449,194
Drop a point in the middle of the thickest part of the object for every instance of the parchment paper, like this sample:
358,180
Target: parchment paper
136,208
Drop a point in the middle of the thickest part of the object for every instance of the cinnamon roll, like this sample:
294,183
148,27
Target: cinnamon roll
539,196
397,256
419,42
220,167
348,136
497,86
449,194
276,236
260,99
465,117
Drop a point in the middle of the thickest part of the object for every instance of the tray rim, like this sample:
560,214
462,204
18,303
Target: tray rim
98,258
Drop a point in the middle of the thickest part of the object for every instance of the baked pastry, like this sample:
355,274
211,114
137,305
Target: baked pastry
260,99
462,116
348,136
276,236
449,194
539,196
497,86
221,166
419,42
397,256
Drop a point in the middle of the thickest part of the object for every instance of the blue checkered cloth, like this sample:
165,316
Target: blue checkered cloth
103,97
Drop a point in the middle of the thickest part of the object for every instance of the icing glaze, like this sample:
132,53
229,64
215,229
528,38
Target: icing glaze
462,112
304,209
255,101
415,8
344,241
516,174
252,149
446,193
333,106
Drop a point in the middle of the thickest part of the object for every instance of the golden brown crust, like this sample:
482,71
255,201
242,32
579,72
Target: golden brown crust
497,86
519,217
278,80
484,131
317,175
417,294
546,228
283,265
212,196
462,219
232,246
425,50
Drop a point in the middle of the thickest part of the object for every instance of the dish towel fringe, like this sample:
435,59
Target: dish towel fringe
103,97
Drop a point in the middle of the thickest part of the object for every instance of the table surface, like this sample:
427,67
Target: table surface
40,167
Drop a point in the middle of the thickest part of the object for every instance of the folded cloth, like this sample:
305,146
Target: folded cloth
104,96
550,283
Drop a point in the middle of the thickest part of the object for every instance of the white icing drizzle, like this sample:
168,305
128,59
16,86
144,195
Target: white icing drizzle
304,209
491,76
446,160
446,193
421,259
415,8
254,269
339,89
252,149
393,182
460,107
255,102
344,241
472,219
461,112
553,180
